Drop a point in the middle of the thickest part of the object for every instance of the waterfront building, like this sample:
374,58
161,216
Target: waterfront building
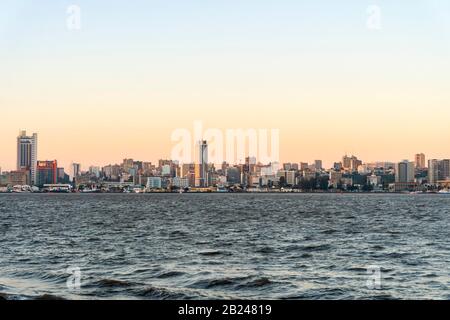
335,178
62,178
290,177
76,170
233,175
180,182
374,181
404,172
47,172
403,186
268,180
18,178
347,181
438,170
444,169
433,171
27,154
201,170
154,183
112,172
3,179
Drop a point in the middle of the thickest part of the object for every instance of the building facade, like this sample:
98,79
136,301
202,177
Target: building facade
404,172
201,170
420,161
47,172
27,154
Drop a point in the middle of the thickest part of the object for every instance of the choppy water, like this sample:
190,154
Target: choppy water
202,246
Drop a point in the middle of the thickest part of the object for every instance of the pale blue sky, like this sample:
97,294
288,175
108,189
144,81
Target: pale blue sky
230,63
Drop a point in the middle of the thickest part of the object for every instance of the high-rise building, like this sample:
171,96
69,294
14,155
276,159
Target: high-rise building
351,163
201,172
27,154
438,170
250,164
433,171
318,164
444,168
62,176
420,161
404,172
233,175
290,177
47,172
94,171
76,170
127,165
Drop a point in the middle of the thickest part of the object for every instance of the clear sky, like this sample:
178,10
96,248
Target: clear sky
138,70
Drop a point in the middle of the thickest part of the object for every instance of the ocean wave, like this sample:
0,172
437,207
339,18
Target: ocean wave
232,283
112,283
211,253
169,274
259,282
212,283
265,250
319,247
160,294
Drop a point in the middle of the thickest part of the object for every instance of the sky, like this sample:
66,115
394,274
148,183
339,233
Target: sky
321,72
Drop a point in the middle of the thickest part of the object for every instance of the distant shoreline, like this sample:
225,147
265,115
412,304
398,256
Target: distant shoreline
223,193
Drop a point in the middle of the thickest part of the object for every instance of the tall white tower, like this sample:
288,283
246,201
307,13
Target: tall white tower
201,172
27,153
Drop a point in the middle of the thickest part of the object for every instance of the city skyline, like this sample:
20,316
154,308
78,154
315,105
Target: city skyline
326,163
349,174
119,85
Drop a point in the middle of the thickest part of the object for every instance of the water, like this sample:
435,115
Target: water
221,246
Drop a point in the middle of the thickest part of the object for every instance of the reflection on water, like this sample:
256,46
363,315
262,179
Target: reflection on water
201,246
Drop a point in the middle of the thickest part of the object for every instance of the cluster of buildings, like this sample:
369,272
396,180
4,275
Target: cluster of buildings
349,174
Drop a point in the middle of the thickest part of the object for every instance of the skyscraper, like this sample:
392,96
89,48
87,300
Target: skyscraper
404,172
438,170
420,161
76,170
201,172
433,171
27,154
